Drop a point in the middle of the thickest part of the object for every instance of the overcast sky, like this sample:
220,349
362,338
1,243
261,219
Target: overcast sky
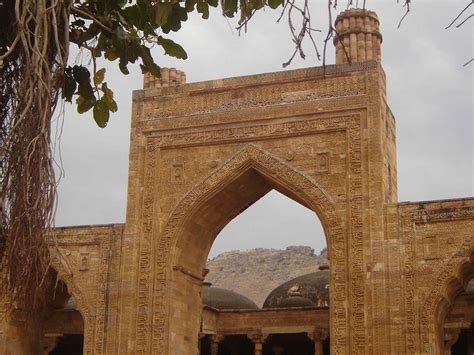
429,92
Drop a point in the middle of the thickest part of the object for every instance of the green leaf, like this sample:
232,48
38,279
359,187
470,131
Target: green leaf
229,8
257,4
81,74
162,12
203,8
86,91
110,54
69,86
275,3
123,66
83,105
107,92
149,65
189,5
113,106
110,103
99,76
108,98
91,32
172,48
101,113
213,3
83,77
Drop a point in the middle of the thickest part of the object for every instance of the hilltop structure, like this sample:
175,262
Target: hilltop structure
200,154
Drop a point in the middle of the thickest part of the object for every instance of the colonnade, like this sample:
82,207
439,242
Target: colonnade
258,339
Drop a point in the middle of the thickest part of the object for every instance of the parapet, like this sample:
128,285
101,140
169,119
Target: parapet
169,77
357,36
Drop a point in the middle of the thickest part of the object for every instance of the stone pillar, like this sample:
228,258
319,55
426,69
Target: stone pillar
357,36
318,338
215,339
258,340
450,337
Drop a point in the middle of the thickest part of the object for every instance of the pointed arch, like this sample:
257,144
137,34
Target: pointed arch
451,279
251,163
59,264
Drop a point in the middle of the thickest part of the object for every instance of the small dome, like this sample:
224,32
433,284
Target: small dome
313,286
295,301
220,298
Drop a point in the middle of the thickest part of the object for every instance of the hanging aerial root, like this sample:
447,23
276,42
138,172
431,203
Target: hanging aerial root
32,60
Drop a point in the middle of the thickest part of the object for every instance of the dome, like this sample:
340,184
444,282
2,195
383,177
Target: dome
313,286
295,301
220,298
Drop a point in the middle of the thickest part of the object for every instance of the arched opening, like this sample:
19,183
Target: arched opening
454,315
273,241
458,325
278,277
211,207
63,324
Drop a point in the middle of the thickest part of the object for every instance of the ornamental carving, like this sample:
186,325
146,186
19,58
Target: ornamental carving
265,95
286,175
248,133
447,268
450,270
93,311
265,163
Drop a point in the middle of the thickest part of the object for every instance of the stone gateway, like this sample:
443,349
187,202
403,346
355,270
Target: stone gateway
200,154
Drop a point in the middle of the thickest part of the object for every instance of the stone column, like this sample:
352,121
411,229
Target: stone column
450,337
318,337
258,339
215,339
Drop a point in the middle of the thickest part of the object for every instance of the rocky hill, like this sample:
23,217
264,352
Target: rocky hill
256,272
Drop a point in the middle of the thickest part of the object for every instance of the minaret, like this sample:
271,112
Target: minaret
169,77
357,36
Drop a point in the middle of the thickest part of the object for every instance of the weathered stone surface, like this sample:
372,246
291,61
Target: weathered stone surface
201,153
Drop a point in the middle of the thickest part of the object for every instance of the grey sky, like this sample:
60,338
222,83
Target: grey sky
429,91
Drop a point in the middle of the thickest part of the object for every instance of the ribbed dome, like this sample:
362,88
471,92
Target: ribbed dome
313,286
295,301
220,298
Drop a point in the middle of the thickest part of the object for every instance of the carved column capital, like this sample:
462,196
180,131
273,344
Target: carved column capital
450,337
318,334
216,338
257,338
